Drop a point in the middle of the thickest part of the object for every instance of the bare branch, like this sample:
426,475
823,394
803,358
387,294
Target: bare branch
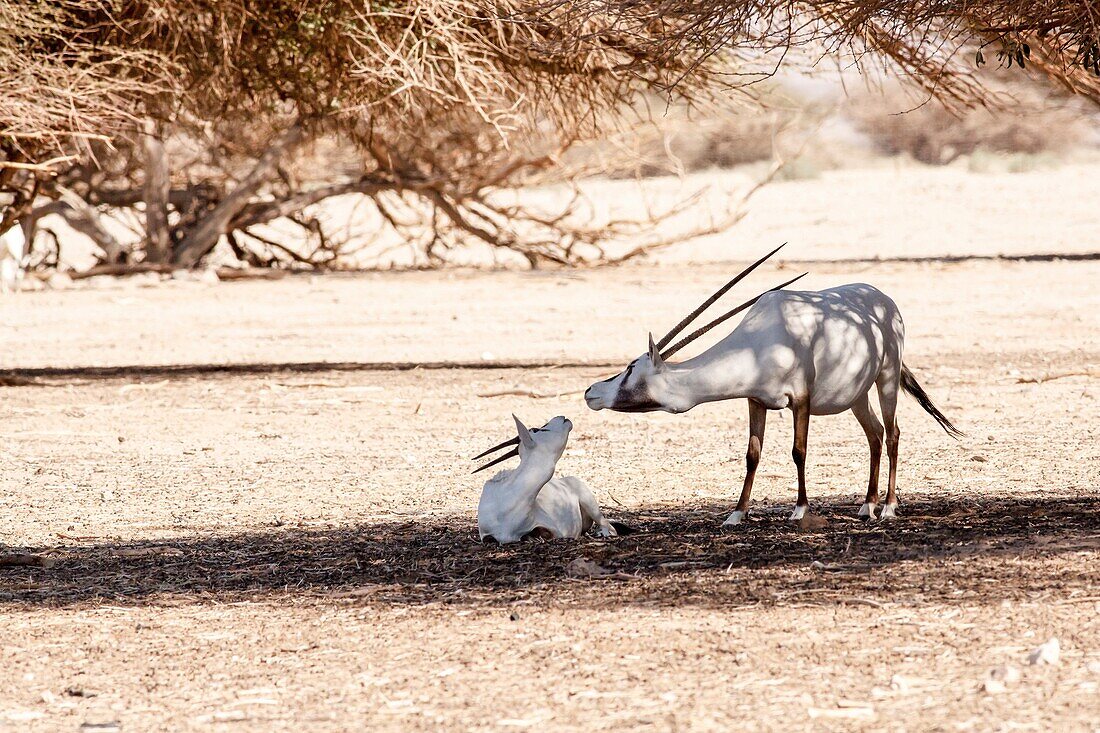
205,236
156,193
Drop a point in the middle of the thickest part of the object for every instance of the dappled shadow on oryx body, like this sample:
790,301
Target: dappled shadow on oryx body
823,347
815,353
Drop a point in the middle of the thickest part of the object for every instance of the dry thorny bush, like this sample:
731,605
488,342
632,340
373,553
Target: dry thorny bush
923,40
59,91
446,104
934,136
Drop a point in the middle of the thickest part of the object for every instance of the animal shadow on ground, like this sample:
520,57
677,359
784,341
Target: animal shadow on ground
956,551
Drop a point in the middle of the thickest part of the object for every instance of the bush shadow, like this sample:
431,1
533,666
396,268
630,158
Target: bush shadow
939,551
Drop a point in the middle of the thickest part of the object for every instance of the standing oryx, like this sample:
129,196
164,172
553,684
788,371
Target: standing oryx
817,353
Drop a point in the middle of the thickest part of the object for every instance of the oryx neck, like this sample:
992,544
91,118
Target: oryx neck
716,374
533,473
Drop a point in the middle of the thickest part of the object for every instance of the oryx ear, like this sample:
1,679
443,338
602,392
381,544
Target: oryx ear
655,354
524,434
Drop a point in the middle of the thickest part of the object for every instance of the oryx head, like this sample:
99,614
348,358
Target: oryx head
641,387
548,442
648,383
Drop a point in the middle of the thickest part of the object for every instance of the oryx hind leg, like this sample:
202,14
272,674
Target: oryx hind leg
758,419
801,440
889,384
865,414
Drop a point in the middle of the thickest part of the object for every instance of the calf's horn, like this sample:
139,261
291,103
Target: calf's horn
510,454
495,448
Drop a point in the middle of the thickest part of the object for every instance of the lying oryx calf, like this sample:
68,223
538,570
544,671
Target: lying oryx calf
530,501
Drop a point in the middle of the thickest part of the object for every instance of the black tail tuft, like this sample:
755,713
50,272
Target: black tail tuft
622,529
910,385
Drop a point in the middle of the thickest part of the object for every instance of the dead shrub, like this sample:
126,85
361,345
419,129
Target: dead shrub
681,145
933,135
442,110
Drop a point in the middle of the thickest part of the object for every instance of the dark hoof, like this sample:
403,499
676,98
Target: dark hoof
623,530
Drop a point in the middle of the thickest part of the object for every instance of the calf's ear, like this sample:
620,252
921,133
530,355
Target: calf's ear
524,434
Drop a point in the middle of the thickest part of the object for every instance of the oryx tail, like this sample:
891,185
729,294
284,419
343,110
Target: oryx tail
910,385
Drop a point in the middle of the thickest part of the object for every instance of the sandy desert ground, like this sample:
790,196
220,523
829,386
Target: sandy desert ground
240,537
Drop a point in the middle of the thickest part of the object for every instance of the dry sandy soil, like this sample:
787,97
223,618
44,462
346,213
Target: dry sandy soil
292,546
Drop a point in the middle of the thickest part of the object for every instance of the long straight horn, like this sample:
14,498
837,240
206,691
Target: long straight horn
495,448
510,454
724,317
710,301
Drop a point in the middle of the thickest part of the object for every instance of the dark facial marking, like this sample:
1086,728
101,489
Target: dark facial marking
648,406
626,373
629,399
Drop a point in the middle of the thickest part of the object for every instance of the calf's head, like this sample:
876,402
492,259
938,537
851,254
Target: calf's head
546,442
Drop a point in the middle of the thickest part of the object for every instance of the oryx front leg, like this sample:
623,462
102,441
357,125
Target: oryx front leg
591,513
592,508
873,428
758,418
801,437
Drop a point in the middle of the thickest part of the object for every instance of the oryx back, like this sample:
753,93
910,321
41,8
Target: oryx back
828,347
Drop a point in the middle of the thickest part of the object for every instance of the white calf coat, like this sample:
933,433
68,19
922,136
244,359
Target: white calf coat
531,501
